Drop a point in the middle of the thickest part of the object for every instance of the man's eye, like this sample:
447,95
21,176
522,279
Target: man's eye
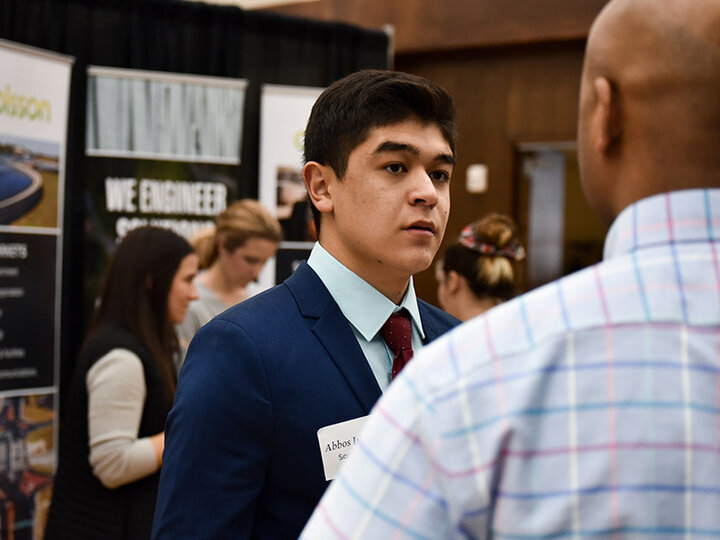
395,168
440,176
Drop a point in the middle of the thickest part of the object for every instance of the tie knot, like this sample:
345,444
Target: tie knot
397,331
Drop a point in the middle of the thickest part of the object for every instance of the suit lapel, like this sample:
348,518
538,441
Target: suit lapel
334,332
434,327
431,331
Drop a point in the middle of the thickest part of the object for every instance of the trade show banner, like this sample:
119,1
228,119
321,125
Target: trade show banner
162,149
34,91
284,112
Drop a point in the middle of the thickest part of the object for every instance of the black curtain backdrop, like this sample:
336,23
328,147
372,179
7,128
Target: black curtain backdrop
182,37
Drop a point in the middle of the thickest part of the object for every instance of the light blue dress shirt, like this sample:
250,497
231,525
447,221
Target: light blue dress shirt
366,309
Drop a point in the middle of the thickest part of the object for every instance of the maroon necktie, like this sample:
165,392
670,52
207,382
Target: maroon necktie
397,334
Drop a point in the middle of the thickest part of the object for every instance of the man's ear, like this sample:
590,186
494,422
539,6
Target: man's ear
317,178
606,117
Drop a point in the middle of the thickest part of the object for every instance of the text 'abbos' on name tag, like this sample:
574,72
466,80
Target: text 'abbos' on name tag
337,442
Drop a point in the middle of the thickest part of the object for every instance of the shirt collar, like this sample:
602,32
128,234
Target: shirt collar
363,305
668,218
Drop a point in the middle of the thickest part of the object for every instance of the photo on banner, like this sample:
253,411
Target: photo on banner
162,149
284,112
34,93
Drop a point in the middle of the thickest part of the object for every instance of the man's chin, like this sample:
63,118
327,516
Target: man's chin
420,264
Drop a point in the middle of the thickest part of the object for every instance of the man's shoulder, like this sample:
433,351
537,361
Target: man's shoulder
274,302
568,304
300,295
520,326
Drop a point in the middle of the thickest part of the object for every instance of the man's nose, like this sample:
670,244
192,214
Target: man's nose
424,190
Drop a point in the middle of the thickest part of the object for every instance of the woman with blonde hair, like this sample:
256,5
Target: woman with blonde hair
232,255
479,270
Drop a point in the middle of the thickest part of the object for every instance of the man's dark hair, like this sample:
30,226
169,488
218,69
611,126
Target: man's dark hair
348,109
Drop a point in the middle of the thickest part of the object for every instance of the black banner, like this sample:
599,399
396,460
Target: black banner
27,310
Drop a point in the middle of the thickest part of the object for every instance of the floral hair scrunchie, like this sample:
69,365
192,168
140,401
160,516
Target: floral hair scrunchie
468,238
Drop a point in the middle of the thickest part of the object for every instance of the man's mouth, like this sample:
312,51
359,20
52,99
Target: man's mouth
426,226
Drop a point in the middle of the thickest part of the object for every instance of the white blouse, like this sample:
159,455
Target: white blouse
116,396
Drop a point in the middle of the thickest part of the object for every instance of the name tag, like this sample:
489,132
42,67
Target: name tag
337,442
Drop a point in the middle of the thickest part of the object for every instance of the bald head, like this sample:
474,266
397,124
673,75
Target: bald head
649,105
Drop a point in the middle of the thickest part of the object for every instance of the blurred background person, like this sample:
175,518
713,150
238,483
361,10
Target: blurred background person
232,255
479,269
111,436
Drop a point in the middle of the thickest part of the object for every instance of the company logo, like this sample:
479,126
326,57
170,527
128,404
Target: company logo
20,106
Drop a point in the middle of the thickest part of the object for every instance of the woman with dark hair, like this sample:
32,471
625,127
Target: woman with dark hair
478,271
111,435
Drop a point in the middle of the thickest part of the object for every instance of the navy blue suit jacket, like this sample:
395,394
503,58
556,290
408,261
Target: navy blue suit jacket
242,459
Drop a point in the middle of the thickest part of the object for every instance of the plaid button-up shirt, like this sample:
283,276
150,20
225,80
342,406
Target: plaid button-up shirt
588,408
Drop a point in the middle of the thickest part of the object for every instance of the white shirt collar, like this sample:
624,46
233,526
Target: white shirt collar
363,306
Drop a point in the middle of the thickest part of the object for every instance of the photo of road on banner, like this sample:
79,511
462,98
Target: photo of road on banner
28,182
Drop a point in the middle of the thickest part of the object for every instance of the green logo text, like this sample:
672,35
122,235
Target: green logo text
20,106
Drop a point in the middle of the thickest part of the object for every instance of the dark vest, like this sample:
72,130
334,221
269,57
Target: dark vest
82,508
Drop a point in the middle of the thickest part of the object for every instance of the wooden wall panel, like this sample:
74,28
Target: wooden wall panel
543,93
431,25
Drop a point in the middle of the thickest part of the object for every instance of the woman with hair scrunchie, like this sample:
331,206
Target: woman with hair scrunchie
479,270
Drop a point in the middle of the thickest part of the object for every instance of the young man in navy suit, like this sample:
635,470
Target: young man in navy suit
258,425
